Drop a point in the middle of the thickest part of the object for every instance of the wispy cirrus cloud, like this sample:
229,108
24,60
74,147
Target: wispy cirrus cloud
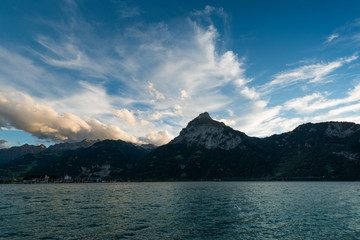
21,72
313,73
208,11
126,11
332,37
346,36
319,101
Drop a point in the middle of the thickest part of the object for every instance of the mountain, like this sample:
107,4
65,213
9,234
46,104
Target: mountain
108,158
28,157
9,154
203,131
207,149
329,150
72,145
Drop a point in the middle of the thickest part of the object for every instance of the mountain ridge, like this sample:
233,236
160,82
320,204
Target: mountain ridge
207,149
9,154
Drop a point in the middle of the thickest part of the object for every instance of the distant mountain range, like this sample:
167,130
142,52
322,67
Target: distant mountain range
9,154
205,150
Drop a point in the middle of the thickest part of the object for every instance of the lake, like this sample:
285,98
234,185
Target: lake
181,210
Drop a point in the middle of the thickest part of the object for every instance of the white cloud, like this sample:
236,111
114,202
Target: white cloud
257,120
347,35
250,93
126,11
317,101
198,72
263,120
354,108
144,122
332,37
155,116
66,53
208,10
126,115
207,13
154,92
313,73
230,112
157,138
21,72
178,109
89,100
184,94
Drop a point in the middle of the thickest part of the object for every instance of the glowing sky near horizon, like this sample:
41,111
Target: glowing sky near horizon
140,70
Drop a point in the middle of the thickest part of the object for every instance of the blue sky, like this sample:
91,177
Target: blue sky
140,70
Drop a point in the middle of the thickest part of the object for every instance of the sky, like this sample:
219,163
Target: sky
139,71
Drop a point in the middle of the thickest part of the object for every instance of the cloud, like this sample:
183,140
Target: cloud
184,94
126,115
156,116
319,101
89,100
198,71
4,144
21,72
208,11
250,93
154,92
263,120
353,108
144,122
258,121
23,112
126,11
190,64
346,36
129,117
332,37
157,138
313,73
144,66
67,53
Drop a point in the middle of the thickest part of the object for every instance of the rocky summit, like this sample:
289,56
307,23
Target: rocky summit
211,134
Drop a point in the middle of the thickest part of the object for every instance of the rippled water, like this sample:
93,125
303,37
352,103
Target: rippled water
181,210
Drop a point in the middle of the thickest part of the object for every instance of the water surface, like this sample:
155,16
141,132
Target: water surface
181,210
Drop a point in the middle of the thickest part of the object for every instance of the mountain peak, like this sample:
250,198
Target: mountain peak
206,132
204,119
204,115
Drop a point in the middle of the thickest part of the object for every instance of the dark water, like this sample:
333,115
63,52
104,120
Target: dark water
187,210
